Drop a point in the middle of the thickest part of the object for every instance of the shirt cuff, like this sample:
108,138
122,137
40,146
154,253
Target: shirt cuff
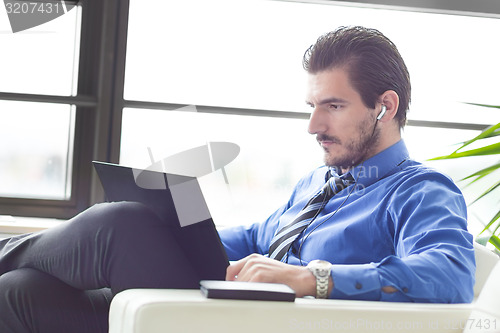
356,282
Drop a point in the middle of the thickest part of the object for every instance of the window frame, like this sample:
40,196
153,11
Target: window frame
480,8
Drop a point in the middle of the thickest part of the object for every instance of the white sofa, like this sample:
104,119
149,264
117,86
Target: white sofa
161,310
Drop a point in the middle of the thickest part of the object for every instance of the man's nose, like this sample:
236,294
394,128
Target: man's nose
317,122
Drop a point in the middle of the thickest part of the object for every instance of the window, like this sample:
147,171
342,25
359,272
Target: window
48,105
36,159
38,136
231,71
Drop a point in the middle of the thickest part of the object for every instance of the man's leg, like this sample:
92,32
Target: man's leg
32,301
118,245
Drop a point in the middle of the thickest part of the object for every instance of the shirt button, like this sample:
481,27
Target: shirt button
358,285
405,290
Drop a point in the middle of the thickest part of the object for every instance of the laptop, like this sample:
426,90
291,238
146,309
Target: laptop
179,202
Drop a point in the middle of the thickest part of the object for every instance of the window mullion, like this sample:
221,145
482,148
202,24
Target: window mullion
81,100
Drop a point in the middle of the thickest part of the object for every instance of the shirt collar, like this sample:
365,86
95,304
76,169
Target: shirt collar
378,166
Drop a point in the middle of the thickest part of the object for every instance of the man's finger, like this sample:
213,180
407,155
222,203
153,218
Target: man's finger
234,268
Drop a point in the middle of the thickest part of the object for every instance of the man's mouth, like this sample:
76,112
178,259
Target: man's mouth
326,141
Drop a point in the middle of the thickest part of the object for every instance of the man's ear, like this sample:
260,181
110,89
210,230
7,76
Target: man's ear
391,101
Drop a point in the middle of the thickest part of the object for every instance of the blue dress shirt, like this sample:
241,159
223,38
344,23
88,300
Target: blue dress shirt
401,224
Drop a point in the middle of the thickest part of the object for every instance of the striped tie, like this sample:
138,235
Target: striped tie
284,238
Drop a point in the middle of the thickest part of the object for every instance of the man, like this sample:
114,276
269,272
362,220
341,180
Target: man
393,229
399,232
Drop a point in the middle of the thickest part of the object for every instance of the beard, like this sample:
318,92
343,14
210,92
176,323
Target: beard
356,149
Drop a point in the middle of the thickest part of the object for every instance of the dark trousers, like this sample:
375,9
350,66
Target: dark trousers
63,279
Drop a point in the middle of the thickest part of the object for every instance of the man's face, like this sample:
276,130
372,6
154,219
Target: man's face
343,125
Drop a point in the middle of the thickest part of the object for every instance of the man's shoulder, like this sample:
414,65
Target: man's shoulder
419,169
414,173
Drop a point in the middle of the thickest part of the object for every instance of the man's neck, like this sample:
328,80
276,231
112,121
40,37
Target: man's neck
384,143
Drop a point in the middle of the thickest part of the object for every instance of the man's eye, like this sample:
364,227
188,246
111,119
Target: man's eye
334,106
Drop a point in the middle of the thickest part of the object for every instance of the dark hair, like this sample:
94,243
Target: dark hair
371,59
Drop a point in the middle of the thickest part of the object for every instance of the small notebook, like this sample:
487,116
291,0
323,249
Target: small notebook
247,290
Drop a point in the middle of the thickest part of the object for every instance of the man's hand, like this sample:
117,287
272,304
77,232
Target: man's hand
257,268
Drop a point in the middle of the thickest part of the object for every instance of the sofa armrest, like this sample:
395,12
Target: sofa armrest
162,310
486,315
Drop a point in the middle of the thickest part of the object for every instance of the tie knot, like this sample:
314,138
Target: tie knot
336,184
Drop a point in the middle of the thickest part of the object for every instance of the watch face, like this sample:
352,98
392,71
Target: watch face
321,267
322,264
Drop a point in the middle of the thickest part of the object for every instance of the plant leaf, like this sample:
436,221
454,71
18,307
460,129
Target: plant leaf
496,217
484,105
491,189
493,149
482,173
495,241
488,132
496,228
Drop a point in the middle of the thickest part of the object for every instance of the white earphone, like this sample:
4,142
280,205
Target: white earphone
382,112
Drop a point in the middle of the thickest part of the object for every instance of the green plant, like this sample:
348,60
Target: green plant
491,232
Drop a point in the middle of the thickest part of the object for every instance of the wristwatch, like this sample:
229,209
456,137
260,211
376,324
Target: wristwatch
321,270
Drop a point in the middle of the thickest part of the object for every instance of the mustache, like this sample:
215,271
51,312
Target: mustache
324,137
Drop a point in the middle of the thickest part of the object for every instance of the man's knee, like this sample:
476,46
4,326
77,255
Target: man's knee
23,287
16,283
124,215
32,301
18,290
